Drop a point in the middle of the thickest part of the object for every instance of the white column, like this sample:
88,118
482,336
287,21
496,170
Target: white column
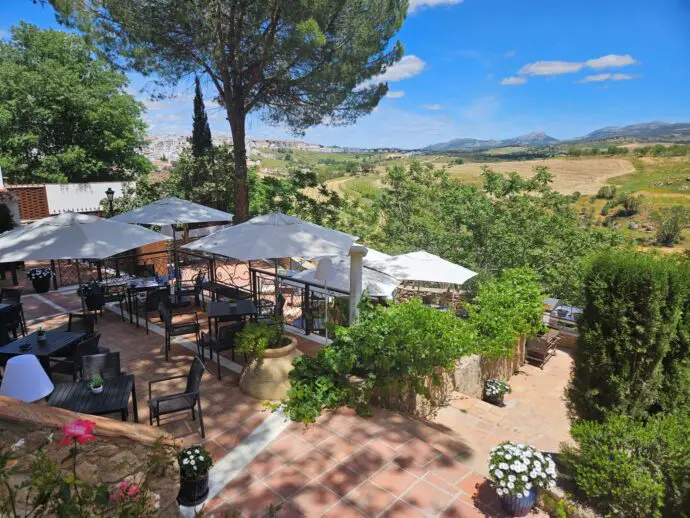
357,253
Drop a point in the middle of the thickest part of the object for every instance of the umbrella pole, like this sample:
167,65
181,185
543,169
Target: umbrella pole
176,266
275,289
81,295
325,325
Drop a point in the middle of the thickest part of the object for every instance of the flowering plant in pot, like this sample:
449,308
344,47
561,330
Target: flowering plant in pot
195,463
495,390
40,278
96,384
518,470
266,374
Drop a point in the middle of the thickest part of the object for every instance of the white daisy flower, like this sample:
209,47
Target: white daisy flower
525,492
510,485
185,461
511,478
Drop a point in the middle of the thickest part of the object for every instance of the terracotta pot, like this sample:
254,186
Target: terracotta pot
268,379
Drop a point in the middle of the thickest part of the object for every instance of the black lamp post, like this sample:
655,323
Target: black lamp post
110,194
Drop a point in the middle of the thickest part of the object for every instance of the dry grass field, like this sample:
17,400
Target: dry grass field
585,175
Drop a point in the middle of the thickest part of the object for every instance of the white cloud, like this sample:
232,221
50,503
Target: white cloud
514,81
611,61
550,68
608,77
409,66
395,94
418,4
433,107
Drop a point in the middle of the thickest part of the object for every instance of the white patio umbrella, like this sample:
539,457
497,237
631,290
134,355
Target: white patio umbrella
375,283
73,236
272,236
423,267
173,211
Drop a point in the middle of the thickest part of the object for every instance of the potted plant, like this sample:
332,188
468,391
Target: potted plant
265,376
195,463
41,335
517,471
96,384
495,390
40,278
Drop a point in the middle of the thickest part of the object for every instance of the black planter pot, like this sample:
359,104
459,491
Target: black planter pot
494,400
41,285
193,492
515,506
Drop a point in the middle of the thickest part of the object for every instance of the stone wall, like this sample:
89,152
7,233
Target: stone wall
120,451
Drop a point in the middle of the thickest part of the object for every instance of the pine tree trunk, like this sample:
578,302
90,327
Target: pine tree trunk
237,125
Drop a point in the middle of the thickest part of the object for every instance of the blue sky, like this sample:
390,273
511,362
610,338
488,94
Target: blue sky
493,69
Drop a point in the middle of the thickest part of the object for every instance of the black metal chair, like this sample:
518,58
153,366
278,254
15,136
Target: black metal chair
72,365
13,296
182,401
193,288
116,293
225,341
179,328
107,365
13,321
154,298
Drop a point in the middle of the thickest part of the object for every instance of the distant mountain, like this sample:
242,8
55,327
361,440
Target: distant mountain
646,131
531,139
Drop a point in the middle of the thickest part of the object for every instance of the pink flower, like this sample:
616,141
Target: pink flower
124,490
79,430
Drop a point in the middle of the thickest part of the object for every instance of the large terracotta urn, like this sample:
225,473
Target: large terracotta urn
268,379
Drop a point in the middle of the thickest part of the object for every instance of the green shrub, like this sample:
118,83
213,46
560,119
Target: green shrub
631,323
670,224
627,468
631,203
607,192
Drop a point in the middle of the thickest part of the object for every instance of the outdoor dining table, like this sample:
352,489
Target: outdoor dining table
222,309
55,341
77,396
5,307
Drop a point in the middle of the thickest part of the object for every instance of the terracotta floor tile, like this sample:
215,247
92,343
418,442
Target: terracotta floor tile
418,451
314,463
459,509
238,484
428,498
231,438
341,480
471,483
285,510
287,480
396,437
314,499
394,479
337,447
313,434
370,498
448,469
382,448
365,462
343,510
290,446
255,499
402,509
410,466
265,463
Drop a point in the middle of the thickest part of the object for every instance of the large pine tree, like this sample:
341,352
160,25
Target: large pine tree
201,132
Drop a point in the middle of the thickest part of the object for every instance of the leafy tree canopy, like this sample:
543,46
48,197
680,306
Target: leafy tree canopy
509,222
298,63
64,113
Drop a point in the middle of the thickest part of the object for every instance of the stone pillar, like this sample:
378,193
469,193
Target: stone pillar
357,253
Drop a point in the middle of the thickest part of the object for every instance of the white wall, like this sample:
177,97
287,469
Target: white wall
79,197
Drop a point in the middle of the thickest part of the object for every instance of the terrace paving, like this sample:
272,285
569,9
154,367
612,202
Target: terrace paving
344,465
